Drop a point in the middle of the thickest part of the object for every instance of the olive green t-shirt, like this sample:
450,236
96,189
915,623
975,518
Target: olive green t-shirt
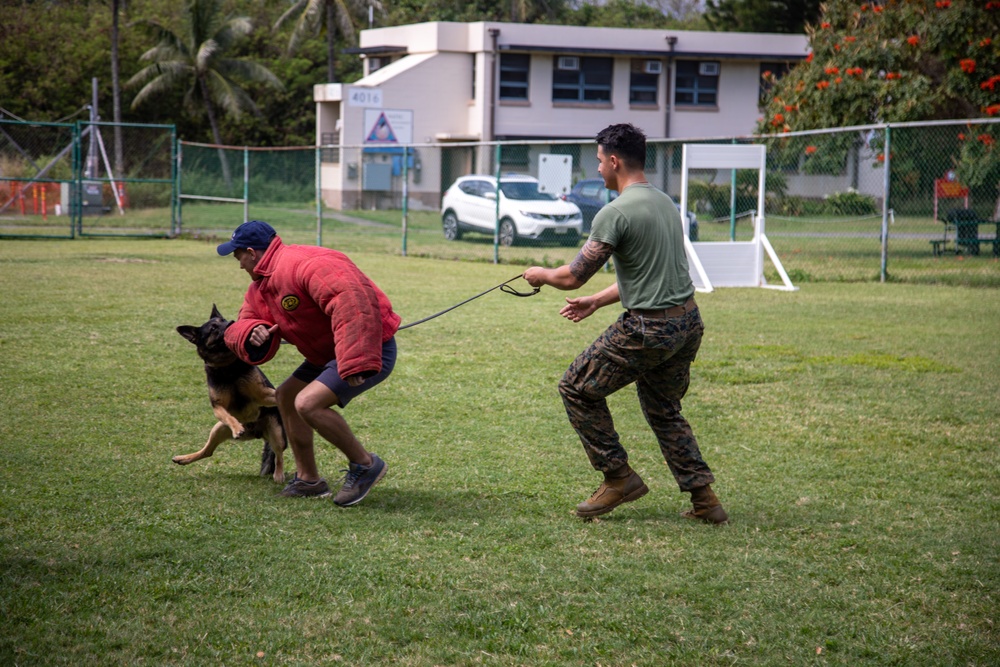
645,229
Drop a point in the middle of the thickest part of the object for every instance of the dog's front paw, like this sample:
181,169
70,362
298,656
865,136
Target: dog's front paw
183,460
237,430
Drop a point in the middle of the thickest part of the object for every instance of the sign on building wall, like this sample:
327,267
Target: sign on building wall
358,96
388,126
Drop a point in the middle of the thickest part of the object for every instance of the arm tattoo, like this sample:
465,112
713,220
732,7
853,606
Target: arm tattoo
592,256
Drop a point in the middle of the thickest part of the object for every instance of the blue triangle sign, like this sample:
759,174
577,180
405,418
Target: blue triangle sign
382,131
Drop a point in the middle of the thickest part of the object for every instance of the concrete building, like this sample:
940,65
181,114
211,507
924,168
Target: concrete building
440,90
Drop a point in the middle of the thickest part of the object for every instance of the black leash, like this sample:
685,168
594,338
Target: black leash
503,287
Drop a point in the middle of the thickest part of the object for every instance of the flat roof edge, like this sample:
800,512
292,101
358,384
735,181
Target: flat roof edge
524,48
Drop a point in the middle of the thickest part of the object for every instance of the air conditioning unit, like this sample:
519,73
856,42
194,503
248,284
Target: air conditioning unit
571,63
708,69
653,67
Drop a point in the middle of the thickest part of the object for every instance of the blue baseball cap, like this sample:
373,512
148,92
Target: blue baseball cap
255,234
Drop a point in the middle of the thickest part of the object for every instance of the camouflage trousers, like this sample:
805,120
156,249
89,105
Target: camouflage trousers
656,355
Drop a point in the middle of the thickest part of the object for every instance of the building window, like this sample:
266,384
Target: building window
697,83
514,68
375,63
473,96
331,151
515,156
778,70
581,79
644,81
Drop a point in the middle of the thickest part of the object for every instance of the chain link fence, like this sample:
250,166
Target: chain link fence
37,166
914,202
880,203
86,179
222,186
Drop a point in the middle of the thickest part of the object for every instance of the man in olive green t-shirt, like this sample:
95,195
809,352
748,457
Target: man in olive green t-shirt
652,343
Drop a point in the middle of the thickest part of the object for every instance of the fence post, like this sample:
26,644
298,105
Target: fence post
887,152
406,177
180,200
246,184
496,214
175,166
732,204
319,196
76,203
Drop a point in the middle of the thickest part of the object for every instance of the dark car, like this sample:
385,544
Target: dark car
590,195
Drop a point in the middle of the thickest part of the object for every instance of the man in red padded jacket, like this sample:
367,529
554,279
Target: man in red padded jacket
342,323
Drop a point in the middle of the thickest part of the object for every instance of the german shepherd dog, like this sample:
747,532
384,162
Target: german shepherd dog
242,398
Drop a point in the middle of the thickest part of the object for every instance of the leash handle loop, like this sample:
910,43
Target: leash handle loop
504,287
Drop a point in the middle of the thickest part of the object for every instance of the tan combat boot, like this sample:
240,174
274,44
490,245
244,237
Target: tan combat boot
706,507
620,486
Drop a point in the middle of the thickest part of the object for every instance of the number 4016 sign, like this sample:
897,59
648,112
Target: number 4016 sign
370,98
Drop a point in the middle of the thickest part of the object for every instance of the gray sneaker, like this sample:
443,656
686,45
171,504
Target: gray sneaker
359,480
300,488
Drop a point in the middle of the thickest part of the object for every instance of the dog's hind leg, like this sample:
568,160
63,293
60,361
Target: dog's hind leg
219,434
276,441
266,460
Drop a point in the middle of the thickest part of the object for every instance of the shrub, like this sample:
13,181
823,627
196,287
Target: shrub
19,168
851,202
715,197
792,206
148,195
797,206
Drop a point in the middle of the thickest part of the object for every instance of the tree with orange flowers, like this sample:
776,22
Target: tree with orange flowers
892,61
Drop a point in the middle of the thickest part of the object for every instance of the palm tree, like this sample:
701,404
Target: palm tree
310,16
197,58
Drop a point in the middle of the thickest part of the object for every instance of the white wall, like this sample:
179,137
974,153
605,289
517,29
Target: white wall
435,81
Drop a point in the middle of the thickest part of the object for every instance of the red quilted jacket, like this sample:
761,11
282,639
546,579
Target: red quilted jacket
323,305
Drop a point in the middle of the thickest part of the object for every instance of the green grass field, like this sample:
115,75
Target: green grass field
853,428
811,249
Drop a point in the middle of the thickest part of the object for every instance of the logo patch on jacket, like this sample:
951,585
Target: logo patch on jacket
290,302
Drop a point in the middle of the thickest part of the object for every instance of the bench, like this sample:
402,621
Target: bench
972,246
967,246
965,223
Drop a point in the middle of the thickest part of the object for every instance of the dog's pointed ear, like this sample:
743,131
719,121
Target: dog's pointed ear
189,332
216,313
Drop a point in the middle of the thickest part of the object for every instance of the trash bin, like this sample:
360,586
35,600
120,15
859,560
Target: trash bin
966,223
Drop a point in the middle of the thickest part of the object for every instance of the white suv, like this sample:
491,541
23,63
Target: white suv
470,205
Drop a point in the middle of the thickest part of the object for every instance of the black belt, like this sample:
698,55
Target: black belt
664,313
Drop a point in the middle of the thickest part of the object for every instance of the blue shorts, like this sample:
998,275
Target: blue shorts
329,376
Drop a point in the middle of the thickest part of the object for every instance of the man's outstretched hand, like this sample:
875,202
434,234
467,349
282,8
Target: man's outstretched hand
579,308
